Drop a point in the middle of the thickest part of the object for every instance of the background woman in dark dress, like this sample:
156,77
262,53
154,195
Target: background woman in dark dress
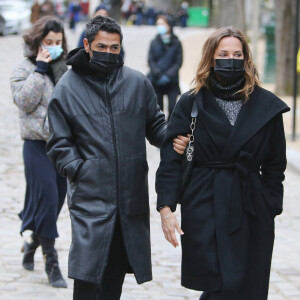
32,83
165,60
235,188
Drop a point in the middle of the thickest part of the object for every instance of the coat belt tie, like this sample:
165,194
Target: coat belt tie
241,187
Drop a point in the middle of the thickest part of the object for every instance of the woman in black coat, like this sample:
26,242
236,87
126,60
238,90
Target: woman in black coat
165,60
235,187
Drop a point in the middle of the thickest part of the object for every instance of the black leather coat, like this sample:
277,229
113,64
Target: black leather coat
98,126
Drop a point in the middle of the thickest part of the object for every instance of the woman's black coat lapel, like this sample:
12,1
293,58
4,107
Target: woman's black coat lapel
252,117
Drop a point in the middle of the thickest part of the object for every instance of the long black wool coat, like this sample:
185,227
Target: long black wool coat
98,128
233,195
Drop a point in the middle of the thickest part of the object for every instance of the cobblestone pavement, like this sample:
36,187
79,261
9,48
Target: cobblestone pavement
16,283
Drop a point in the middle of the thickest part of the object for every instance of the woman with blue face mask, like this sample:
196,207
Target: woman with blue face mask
32,83
165,60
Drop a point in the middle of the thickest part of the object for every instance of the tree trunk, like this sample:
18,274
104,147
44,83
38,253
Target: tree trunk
285,44
115,11
232,12
214,13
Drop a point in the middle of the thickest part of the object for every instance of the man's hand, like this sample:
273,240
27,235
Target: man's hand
169,223
180,143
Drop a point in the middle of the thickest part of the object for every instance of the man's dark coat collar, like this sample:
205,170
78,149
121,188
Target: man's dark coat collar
79,59
260,108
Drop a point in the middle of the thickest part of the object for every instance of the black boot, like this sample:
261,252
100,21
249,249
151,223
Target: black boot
51,263
29,247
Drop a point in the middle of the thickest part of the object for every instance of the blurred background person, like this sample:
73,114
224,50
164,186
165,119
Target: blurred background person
32,83
125,10
139,13
74,14
183,14
47,9
100,10
35,12
151,15
165,60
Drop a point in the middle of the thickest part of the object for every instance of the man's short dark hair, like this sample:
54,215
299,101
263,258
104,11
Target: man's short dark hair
100,23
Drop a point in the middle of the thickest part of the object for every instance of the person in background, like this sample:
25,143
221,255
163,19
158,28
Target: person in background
183,14
151,15
234,192
74,14
35,12
47,9
139,13
165,60
100,10
32,83
125,10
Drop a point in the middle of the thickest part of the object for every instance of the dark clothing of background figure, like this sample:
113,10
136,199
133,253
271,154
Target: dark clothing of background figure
118,265
83,36
94,119
45,191
165,59
172,91
234,193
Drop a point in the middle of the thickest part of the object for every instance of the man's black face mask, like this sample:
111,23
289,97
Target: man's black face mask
229,70
105,61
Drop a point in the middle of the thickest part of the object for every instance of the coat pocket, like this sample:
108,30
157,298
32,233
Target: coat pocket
89,192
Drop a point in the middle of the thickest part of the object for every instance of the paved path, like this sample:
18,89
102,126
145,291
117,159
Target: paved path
18,284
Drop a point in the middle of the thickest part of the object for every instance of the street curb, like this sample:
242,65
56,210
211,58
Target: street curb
293,159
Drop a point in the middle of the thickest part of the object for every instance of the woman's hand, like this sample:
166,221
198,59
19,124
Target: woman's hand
169,223
180,143
43,55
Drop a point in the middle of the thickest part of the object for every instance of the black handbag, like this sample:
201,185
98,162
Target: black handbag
188,158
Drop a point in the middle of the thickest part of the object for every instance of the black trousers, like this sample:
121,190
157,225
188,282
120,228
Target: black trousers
172,91
111,285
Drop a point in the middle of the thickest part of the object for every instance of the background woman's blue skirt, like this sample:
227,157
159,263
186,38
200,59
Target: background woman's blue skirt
45,191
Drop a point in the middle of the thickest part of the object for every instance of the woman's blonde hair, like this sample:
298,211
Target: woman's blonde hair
204,69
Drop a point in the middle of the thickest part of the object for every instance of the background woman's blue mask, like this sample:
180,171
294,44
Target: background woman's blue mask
161,29
55,51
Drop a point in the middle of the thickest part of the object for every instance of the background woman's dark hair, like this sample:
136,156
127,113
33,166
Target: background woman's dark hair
100,23
40,29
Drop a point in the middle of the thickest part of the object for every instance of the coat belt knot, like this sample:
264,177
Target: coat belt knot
241,187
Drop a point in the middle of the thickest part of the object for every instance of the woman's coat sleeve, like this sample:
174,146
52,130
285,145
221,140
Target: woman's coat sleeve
27,88
274,166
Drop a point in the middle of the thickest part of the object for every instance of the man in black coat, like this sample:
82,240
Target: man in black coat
99,116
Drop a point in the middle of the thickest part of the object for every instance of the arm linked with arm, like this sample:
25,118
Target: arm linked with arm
169,174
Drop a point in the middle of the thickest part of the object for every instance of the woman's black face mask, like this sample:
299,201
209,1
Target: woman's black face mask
229,70
105,61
